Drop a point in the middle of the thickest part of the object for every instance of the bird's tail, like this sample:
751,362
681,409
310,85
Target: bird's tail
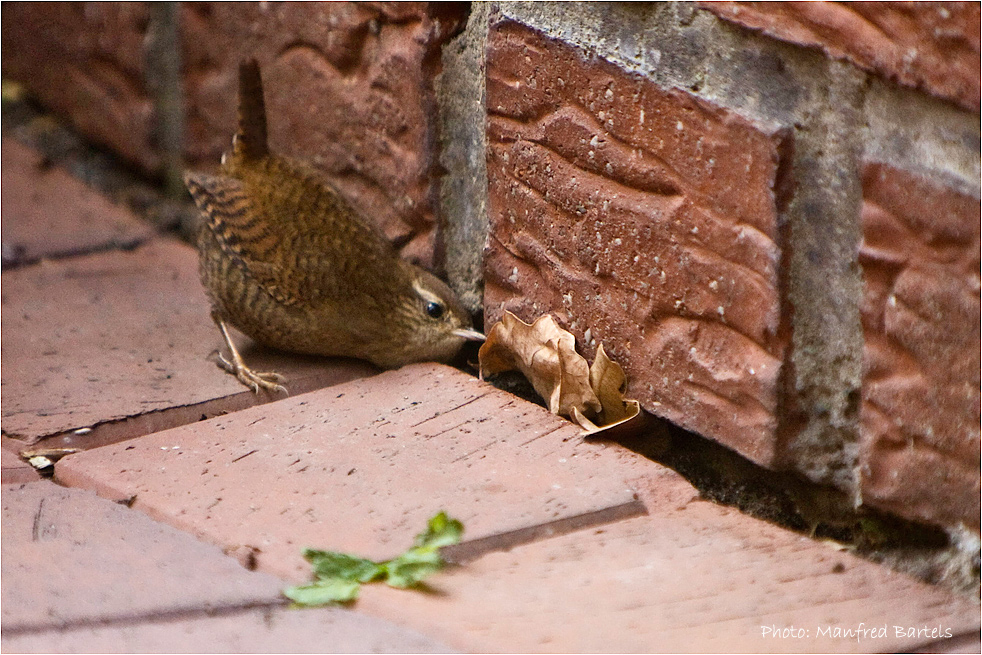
250,141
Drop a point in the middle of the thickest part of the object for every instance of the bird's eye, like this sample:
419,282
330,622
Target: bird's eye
434,309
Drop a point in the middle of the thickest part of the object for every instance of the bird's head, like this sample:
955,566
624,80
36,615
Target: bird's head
430,324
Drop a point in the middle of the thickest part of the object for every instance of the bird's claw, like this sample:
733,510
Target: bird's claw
252,379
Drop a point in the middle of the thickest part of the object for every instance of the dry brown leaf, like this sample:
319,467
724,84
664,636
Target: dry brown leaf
592,396
609,382
546,354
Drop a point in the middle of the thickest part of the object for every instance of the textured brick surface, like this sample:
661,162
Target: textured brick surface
920,412
86,62
82,574
691,577
932,46
71,557
254,631
644,219
14,469
347,84
119,342
49,213
361,467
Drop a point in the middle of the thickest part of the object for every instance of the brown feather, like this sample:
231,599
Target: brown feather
251,142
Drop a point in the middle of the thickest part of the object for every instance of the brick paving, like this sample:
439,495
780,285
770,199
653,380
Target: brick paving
84,574
47,213
571,545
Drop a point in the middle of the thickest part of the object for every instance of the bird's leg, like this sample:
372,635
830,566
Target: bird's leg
238,368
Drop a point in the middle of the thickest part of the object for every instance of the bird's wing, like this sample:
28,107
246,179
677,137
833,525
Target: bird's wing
299,240
242,233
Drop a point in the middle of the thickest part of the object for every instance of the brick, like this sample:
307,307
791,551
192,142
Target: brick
86,63
110,346
347,84
84,574
921,396
691,577
265,630
49,213
14,469
70,557
968,643
645,219
361,467
930,46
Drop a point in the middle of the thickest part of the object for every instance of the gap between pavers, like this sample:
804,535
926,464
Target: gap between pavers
106,347
70,557
265,630
361,467
82,574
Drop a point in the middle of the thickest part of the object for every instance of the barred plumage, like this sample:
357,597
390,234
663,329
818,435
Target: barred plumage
286,260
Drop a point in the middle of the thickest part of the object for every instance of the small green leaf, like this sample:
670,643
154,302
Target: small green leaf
441,531
329,564
411,567
323,592
340,576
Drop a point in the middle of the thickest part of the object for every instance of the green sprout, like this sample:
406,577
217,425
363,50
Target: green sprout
339,576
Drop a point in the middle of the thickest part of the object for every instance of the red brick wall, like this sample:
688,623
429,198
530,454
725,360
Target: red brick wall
678,223
920,413
644,218
932,46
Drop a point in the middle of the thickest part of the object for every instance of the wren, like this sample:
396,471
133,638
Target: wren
288,261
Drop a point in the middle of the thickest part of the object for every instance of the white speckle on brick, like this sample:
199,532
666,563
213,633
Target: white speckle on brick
587,336
514,275
617,241
714,285
679,126
609,94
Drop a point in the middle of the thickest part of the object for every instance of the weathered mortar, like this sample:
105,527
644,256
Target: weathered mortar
463,141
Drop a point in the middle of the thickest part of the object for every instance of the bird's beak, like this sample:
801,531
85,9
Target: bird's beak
470,335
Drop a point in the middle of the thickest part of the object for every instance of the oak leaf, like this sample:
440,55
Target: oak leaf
546,355
608,381
592,396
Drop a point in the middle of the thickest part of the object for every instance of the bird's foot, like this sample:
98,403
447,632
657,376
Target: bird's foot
255,381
